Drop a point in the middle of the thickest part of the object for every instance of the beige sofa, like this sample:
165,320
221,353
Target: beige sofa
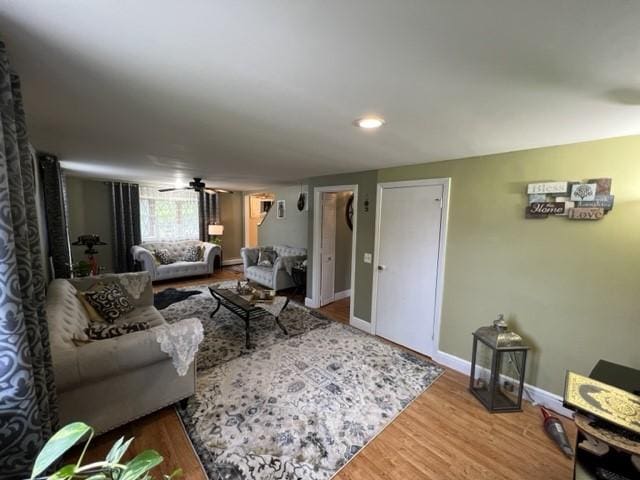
143,254
107,383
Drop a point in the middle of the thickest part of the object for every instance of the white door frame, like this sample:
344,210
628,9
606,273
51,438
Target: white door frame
314,301
437,317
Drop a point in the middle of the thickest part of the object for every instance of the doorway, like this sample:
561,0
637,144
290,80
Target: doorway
256,208
333,262
410,239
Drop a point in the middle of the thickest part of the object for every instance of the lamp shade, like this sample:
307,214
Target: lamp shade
216,229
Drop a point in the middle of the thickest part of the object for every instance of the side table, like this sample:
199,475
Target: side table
299,275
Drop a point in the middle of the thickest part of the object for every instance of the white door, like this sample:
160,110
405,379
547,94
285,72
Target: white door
407,265
328,248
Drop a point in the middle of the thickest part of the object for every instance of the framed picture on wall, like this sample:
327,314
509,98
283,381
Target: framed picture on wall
281,209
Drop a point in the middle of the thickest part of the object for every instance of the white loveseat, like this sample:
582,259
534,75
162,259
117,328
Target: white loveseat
278,276
107,383
143,254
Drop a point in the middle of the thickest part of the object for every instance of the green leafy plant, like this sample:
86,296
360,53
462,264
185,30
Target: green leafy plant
108,469
81,268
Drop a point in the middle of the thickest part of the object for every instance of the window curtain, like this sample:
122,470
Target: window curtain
28,413
55,211
125,210
208,213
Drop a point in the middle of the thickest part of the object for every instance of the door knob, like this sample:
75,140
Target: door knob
382,267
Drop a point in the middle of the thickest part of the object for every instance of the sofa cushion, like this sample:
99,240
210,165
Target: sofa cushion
94,316
102,331
109,300
164,257
267,257
137,285
194,253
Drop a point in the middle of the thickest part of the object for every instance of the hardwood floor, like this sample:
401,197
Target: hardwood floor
444,434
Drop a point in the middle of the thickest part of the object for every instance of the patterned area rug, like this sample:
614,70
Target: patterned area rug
292,408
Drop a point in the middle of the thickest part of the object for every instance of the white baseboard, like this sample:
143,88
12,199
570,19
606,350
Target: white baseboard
540,396
308,302
340,295
232,261
360,324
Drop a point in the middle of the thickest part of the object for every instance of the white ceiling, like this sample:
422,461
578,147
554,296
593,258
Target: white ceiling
256,92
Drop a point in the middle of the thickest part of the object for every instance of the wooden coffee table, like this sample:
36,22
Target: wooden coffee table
244,309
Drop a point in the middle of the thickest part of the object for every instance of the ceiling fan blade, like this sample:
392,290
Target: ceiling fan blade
173,189
217,190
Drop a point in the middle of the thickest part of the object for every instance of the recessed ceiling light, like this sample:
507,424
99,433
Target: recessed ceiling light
369,122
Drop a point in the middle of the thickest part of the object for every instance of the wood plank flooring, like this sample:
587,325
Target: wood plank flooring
444,434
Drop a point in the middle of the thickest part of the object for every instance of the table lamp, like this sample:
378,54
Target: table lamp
216,231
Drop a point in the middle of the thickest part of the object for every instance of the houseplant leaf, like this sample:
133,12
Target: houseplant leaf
118,450
141,464
65,472
58,444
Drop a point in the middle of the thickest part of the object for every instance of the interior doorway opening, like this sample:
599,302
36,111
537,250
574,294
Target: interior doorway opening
256,208
336,249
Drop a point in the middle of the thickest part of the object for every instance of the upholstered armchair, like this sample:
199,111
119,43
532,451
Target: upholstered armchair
278,276
143,254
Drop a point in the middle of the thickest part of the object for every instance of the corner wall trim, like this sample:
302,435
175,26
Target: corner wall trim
340,295
360,324
232,261
308,302
540,396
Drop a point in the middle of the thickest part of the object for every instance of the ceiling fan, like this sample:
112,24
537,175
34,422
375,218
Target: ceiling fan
198,185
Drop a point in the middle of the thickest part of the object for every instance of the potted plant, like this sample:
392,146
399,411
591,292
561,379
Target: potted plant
110,468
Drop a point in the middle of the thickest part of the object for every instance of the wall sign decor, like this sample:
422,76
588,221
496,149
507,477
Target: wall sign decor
590,200
548,187
582,213
281,209
582,192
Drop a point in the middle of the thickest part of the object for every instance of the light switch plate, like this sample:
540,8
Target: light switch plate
367,258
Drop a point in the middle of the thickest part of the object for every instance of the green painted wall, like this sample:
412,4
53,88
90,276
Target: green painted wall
89,209
231,206
571,288
344,235
291,230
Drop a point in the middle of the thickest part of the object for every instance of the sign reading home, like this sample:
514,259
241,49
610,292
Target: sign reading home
548,208
589,200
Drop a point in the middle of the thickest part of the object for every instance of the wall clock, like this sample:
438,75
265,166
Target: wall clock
349,212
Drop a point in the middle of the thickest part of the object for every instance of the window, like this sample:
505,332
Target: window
168,215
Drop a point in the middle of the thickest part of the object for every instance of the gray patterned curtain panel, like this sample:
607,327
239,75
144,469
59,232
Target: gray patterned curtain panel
28,412
207,213
125,209
56,212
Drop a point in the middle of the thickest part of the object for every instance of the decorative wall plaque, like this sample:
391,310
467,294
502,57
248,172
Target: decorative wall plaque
548,187
583,213
604,401
590,200
582,192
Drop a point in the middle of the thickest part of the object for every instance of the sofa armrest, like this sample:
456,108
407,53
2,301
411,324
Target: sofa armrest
249,256
287,262
146,258
106,358
211,250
